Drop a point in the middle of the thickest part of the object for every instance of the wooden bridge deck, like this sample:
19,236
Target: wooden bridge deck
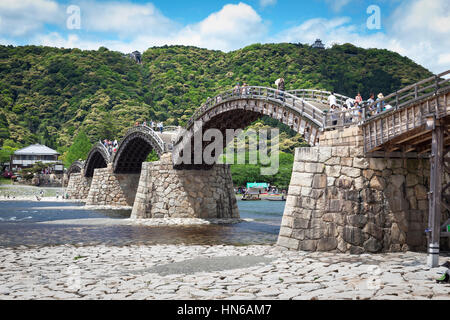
407,126
406,130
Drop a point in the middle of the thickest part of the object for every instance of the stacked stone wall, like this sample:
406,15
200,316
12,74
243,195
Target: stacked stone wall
78,186
110,189
164,192
339,200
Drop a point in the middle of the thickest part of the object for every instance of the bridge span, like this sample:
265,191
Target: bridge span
375,183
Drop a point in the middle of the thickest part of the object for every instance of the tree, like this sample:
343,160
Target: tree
78,150
4,128
5,154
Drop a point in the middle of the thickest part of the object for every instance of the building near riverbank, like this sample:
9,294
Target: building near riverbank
28,156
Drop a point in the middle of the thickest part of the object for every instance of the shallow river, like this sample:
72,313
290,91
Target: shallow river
19,225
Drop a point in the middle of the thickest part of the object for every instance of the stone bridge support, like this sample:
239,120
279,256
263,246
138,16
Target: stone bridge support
339,200
166,192
78,186
111,189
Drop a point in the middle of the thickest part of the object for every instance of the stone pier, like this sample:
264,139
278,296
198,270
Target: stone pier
340,200
164,192
78,186
111,189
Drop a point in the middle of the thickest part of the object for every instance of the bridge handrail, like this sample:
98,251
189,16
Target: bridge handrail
310,111
314,94
150,131
76,163
102,146
399,99
170,128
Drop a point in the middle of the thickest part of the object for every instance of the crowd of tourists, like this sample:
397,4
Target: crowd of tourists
152,124
352,109
111,146
348,111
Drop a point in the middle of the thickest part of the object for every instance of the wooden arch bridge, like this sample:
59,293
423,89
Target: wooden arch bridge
412,122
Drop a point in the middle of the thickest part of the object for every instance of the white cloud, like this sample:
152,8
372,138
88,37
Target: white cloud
337,5
266,3
124,18
234,26
230,28
19,18
419,29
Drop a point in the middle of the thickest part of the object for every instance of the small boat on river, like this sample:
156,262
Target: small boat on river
252,194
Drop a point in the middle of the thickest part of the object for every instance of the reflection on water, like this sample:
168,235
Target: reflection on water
18,227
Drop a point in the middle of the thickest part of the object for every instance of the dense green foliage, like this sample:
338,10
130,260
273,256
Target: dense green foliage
243,173
50,95
28,173
78,150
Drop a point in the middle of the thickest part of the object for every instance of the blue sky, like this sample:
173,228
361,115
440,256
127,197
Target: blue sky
419,29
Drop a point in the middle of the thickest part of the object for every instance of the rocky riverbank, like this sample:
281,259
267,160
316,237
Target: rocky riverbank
212,272
30,193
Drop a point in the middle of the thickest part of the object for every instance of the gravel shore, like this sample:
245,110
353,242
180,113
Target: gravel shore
212,272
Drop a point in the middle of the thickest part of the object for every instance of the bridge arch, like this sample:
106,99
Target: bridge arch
75,167
135,147
98,157
232,110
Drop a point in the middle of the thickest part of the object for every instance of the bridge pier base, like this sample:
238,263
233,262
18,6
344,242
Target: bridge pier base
339,200
78,186
165,192
111,189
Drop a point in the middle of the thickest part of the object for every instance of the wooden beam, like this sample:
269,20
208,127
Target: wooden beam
434,223
426,147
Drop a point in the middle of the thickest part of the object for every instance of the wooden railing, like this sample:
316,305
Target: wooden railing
141,128
100,145
296,104
407,109
318,96
171,128
408,95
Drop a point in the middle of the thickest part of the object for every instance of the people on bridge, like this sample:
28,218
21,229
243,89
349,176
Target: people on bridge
350,103
245,89
160,126
332,100
280,88
334,115
237,89
359,99
380,104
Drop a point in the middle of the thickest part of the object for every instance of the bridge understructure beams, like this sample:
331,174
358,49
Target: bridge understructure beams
112,189
165,192
341,200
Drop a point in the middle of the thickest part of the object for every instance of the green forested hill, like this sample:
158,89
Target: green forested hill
47,94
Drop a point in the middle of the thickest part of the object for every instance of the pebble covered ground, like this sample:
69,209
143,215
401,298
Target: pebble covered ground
213,272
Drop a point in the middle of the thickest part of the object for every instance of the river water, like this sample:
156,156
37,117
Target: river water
19,225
